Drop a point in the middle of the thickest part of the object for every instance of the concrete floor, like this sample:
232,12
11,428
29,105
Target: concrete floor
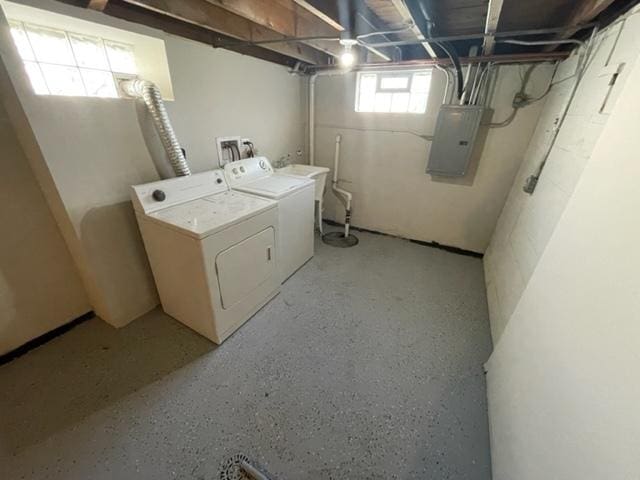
368,365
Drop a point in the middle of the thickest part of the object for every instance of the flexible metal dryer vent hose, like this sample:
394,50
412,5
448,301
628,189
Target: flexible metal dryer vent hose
152,97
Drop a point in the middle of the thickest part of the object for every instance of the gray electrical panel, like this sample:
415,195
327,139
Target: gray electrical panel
455,136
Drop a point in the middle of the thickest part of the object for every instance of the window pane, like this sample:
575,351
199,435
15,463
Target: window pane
89,51
21,41
99,83
37,80
394,83
400,102
366,101
368,83
121,57
50,46
383,102
421,82
418,103
63,80
367,93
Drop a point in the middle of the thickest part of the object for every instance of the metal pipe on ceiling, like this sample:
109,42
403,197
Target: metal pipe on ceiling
449,38
426,63
542,42
476,36
247,43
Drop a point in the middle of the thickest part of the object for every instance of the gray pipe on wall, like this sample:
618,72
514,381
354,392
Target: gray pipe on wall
152,97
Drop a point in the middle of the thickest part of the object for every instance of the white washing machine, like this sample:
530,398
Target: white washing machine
212,250
295,196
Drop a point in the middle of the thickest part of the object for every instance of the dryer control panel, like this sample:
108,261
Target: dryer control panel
151,197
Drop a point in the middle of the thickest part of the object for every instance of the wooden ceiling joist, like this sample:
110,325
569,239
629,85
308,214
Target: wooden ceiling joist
363,21
285,17
98,5
322,13
132,13
404,13
212,17
491,26
584,12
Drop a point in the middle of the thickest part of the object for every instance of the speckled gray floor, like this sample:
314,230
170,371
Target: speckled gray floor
368,365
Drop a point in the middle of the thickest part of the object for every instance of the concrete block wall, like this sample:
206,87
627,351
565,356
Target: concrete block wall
563,383
528,221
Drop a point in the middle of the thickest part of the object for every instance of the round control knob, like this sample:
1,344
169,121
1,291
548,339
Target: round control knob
158,195
218,180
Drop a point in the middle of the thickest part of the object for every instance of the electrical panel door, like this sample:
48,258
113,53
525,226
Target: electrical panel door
455,136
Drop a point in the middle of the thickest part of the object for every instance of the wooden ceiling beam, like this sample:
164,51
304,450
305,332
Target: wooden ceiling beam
285,17
327,12
211,17
491,26
132,13
584,12
406,15
364,20
98,5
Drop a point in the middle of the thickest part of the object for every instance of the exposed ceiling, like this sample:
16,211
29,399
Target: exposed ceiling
311,28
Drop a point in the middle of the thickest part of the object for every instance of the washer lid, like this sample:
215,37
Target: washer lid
205,216
275,186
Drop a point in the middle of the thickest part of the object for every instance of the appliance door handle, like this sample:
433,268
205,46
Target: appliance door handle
268,254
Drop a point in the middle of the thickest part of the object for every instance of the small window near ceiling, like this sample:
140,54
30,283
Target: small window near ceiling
66,63
397,92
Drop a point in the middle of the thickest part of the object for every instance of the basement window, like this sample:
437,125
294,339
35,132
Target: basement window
59,62
393,92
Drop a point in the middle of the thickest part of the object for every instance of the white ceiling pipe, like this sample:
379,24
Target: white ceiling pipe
312,110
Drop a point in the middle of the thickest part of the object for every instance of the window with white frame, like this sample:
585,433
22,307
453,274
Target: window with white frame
66,63
393,92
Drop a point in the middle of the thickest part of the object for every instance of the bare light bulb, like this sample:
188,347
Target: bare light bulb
347,59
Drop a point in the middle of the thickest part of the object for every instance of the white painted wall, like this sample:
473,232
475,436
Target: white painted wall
39,286
91,150
564,380
384,165
527,222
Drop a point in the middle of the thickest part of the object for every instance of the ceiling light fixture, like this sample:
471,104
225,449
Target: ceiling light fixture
347,58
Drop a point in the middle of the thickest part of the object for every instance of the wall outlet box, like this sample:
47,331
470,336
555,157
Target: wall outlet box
229,149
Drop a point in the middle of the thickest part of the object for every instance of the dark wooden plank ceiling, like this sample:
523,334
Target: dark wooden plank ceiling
244,25
460,17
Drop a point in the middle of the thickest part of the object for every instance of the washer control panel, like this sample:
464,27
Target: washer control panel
247,170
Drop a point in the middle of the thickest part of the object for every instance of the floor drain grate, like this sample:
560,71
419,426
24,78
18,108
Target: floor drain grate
231,469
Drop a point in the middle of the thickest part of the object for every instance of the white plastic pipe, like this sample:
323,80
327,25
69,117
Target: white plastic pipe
343,195
312,111
312,118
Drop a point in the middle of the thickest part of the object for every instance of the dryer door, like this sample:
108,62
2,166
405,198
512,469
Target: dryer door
245,266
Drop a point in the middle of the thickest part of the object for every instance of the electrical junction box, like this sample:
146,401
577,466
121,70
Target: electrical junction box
453,141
